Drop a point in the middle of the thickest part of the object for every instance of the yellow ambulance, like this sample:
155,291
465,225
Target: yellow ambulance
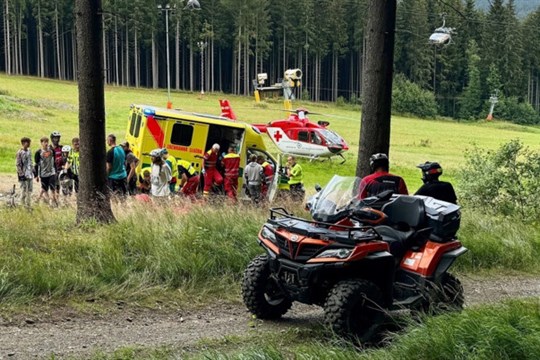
188,135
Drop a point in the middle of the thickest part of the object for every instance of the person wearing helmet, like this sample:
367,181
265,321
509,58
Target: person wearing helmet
380,179
59,160
131,165
211,172
72,163
189,178
116,167
160,174
173,164
440,190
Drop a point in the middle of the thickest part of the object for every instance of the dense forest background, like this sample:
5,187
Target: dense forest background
495,49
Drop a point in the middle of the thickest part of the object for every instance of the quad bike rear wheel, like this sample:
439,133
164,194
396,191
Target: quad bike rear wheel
261,293
446,296
353,309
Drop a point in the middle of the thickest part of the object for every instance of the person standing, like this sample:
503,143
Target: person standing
268,171
189,178
160,175
380,179
131,166
45,170
254,177
440,190
173,164
211,172
116,167
231,164
25,171
296,178
72,164
59,160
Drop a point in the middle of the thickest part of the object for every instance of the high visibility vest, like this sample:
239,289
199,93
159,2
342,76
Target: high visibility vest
173,165
186,165
296,175
231,163
73,160
210,159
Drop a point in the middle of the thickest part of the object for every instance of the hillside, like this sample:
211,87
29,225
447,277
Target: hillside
523,7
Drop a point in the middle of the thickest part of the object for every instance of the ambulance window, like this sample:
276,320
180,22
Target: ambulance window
138,125
303,136
182,134
132,124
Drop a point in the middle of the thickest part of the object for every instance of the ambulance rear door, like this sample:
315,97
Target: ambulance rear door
187,141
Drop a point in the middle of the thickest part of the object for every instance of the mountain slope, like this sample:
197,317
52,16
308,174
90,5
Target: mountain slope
523,7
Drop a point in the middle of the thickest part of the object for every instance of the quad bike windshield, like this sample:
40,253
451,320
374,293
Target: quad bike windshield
334,201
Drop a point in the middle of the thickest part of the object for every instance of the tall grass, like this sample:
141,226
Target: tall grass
197,248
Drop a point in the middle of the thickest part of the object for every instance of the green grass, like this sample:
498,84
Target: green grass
505,331
35,107
198,251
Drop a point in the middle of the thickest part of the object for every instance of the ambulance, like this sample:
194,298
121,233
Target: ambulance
188,135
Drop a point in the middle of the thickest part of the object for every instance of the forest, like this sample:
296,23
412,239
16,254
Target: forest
221,47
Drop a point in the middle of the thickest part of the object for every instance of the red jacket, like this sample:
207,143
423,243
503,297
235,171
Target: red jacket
210,159
380,181
231,164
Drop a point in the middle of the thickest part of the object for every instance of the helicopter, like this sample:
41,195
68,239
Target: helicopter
298,136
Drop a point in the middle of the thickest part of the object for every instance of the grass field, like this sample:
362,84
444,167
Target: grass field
35,107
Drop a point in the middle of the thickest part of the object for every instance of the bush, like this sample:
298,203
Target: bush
409,98
505,181
518,112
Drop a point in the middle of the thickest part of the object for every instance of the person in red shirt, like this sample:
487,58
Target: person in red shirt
231,164
211,172
268,171
380,179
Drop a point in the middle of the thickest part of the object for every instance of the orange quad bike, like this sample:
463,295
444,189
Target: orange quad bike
358,259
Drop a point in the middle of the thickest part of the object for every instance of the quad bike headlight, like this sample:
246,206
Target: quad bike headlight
268,234
336,253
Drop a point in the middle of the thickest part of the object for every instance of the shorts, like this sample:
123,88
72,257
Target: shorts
118,186
48,183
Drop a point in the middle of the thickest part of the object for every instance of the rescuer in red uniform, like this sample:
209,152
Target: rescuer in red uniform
268,172
211,175
380,179
231,164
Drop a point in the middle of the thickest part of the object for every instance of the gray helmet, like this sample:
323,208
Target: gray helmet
55,134
378,160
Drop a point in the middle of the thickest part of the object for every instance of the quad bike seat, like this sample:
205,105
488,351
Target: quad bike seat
406,214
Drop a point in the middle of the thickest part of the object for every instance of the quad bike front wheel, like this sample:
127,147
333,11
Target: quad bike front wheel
353,309
262,295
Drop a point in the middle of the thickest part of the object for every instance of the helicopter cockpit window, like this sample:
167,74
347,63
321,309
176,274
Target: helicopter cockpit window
330,136
303,136
315,138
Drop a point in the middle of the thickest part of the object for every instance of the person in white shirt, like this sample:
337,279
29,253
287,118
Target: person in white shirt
160,175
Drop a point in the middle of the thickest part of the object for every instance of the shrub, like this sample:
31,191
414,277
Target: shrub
409,98
518,112
505,181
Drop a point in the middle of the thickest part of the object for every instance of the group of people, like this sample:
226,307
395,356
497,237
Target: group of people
381,180
53,165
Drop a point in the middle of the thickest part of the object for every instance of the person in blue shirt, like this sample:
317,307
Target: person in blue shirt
116,167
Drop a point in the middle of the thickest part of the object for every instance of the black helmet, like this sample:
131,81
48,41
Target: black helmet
379,160
55,134
430,170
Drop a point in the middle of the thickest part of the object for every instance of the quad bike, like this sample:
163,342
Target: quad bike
358,259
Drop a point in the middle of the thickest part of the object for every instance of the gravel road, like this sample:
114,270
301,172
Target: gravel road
68,334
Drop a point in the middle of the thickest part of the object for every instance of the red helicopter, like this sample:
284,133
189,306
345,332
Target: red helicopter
297,135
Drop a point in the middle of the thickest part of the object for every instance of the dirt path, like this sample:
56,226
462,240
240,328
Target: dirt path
72,335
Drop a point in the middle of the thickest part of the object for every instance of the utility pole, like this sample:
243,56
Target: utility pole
377,82
167,9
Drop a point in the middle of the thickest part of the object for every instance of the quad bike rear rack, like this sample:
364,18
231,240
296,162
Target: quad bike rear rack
280,217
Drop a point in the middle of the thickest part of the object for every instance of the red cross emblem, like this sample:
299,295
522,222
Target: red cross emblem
278,136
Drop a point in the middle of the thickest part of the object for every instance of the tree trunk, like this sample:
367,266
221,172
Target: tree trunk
126,76
136,58
377,85
93,202
106,70
177,52
57,40
154,63
8,41
116,75
40,36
